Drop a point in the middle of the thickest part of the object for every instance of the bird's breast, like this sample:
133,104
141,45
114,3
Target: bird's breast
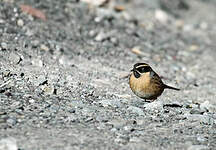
143,87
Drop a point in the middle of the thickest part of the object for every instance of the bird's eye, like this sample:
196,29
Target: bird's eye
144,69
136,74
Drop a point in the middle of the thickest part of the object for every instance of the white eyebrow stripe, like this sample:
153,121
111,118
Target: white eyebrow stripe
142,66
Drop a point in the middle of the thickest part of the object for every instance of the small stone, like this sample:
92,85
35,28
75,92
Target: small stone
204,25
114,40
201,139
122,139
179,24
193,47
95,2
11,121
204,119
198,147
44,47
155,105
100,37
20,22
128,128
135,139
4,45
137,50
76,104
8,144
2,21
14,58
113,103
161,16
71,118
31,101
206,106
117,123
92,33
196,111
48,89
136,110
37,62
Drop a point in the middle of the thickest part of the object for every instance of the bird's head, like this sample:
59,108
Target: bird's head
140,69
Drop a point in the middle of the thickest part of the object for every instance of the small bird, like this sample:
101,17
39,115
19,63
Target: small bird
146,83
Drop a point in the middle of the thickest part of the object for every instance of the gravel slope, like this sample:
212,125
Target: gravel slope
63,84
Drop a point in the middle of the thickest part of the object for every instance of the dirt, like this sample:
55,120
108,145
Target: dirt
64,85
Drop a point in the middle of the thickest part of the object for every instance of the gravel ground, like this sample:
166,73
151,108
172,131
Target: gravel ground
63,84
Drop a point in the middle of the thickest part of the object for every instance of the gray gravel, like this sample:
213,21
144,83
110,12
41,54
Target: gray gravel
63,84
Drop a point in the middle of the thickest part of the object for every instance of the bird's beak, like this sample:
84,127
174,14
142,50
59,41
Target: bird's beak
132,70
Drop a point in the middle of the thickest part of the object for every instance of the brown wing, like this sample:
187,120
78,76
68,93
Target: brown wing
156,80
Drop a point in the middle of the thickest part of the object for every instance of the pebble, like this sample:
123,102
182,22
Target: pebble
14,58
117,123
37,62
161,16
207,106
155,105
101,36
136,110
2,21
20,22
122,139
193,47
198,147
113,103
179,24
48,89
8,144
204,119
76,104
196,111
11,121
44,47
95,2
201,138
4,45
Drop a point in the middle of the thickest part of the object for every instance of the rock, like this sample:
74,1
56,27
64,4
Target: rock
136,110
122,139
44,47
193,47
48,89
203,119
37,62
207,106
201,138
137,50
14,58
76,104
101,36
4,45
20,22
155,105
11,121
161,16
117,123
95,2
196,111
113,103
8,144
197,147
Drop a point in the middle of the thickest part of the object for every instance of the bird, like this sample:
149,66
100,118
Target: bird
146,83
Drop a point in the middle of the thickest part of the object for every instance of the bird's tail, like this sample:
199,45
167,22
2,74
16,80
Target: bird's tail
169,87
